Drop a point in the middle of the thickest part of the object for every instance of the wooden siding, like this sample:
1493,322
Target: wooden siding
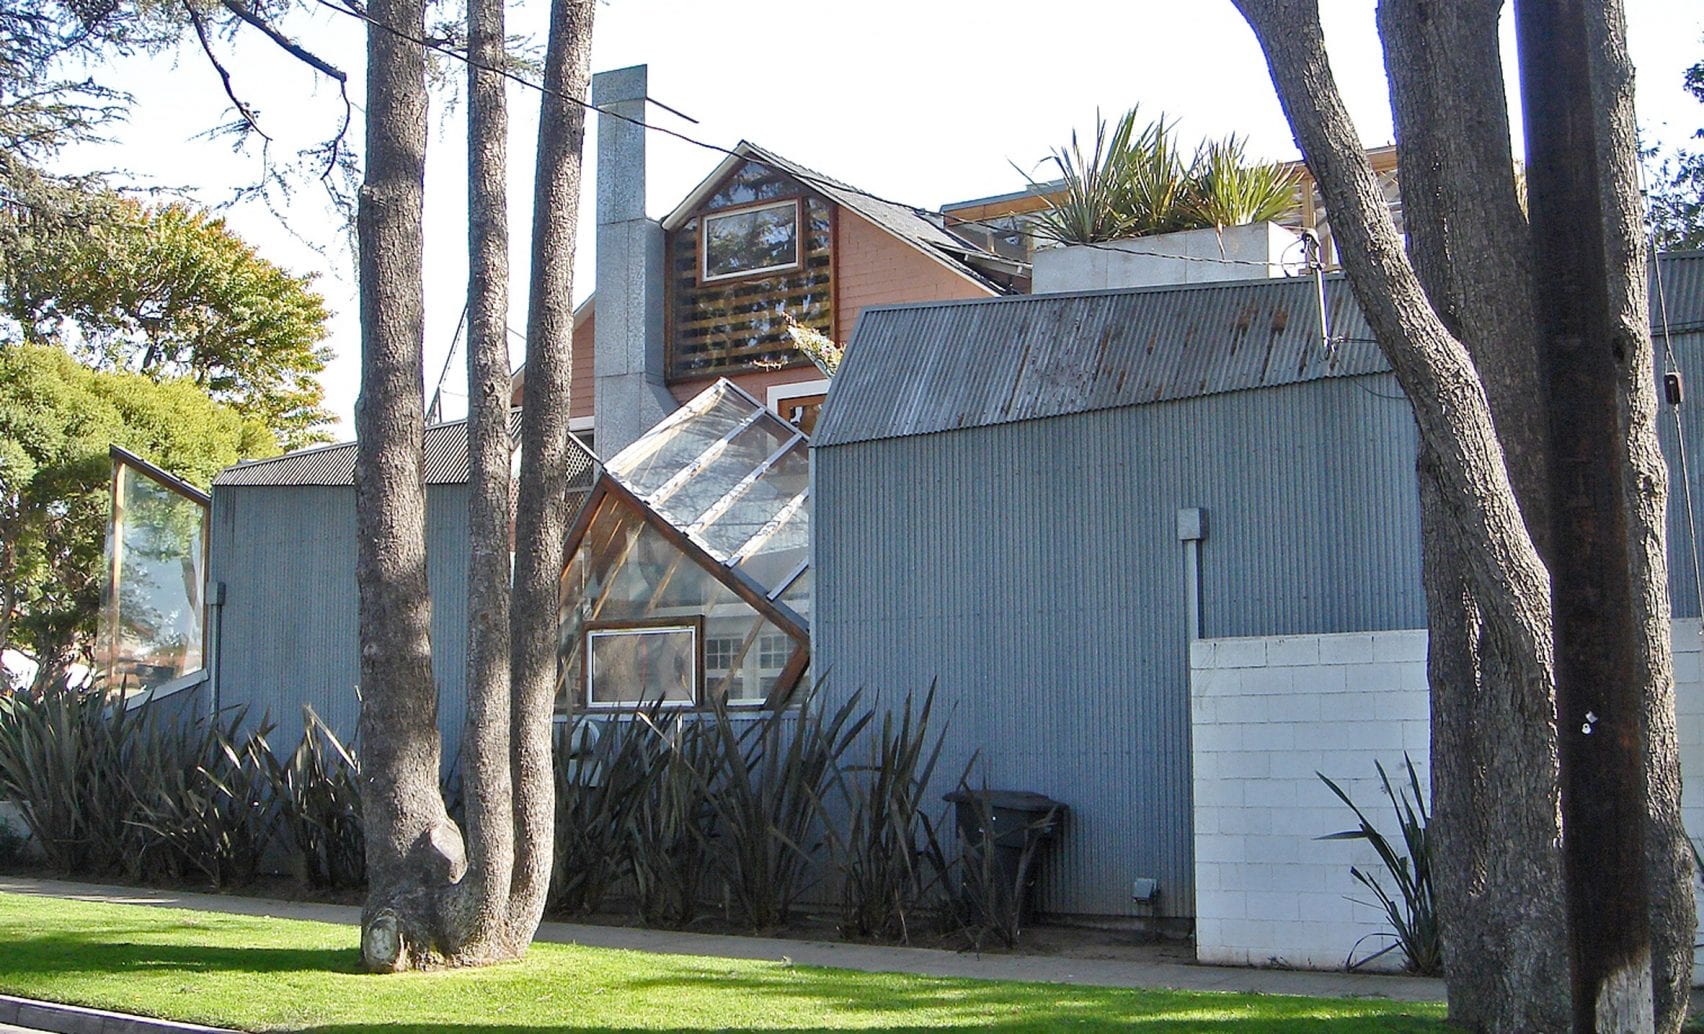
873,267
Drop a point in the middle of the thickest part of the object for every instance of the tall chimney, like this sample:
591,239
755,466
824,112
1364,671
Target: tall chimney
629,391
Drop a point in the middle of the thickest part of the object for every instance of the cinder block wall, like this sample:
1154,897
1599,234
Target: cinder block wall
1267,714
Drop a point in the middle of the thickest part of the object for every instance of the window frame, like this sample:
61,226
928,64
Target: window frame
704,275
692,624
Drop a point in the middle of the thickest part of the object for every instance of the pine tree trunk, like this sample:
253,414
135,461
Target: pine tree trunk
542,518
412,847
480,903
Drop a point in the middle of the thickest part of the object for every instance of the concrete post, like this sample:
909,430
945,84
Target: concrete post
629,389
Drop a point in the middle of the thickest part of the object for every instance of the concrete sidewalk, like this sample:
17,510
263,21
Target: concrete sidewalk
1131,966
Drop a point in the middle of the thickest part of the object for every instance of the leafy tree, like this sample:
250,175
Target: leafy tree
1457,314
1677,196
167,292
57,420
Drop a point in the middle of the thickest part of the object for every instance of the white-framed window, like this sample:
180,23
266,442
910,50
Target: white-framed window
722,666
798,403
642,665
748,241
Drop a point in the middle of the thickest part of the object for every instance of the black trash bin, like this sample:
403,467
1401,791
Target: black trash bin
1019,823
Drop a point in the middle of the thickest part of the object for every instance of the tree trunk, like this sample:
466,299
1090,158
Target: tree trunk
412,846
1488,593
1493,736
1490,626
422,909
542,518
1621,771
480,922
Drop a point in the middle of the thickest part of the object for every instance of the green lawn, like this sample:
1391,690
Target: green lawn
273,974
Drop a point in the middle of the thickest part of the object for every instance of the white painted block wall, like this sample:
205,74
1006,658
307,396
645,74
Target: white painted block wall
1267,714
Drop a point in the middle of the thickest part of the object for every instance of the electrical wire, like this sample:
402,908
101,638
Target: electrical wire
805,175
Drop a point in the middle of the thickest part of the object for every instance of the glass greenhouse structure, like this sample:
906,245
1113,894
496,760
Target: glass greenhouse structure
688,579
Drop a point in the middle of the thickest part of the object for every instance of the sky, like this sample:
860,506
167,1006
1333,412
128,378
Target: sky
919,102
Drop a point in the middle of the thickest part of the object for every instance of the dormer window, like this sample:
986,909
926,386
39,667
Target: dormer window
749,241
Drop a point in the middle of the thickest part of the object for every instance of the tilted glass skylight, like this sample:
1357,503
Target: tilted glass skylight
734,477
687,581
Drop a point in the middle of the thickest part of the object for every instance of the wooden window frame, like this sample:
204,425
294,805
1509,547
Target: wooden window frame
799,230
687,623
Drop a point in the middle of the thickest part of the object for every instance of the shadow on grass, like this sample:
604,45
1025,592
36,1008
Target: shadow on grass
714,999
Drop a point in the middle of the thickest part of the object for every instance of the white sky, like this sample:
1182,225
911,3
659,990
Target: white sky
919,102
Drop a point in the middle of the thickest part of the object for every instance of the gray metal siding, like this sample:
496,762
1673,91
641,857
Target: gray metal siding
1689,354
1033,572
288,631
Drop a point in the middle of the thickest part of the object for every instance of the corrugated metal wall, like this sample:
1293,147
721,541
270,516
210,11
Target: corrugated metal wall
1689,356
287,557
1033,571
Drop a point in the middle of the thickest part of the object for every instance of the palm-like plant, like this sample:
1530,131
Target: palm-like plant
1229,191
1135,183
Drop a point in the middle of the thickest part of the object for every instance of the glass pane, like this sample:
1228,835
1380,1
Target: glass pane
761,502
649,462
743,656
782,552
157,559
798,595
744,453
751,241
642,665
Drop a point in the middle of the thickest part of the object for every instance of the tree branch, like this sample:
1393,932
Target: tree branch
200,24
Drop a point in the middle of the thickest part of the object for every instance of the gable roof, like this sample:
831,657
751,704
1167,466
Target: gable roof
443,450
908,224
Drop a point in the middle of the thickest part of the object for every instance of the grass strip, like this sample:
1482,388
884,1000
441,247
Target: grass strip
263,974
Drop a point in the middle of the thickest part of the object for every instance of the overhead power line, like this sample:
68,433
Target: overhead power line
449,51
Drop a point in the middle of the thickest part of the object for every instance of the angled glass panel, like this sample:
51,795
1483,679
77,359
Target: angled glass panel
797,596
759,503
742,454
664,451
153,620
627,576
780,554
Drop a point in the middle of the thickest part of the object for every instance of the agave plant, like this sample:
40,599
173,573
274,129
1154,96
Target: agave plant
1411,909
1094,201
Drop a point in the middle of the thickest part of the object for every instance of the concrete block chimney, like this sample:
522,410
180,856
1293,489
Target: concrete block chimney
629,390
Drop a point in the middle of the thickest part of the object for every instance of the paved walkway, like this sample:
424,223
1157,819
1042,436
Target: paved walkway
1137,967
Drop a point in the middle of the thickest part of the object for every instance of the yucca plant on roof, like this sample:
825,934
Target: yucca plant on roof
1229,190
1135,183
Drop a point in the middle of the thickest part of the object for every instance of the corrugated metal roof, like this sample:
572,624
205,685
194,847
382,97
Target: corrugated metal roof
916,369
443,462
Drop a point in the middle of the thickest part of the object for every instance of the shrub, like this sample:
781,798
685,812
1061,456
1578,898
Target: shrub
768,802
1411,909
317,792
894,869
